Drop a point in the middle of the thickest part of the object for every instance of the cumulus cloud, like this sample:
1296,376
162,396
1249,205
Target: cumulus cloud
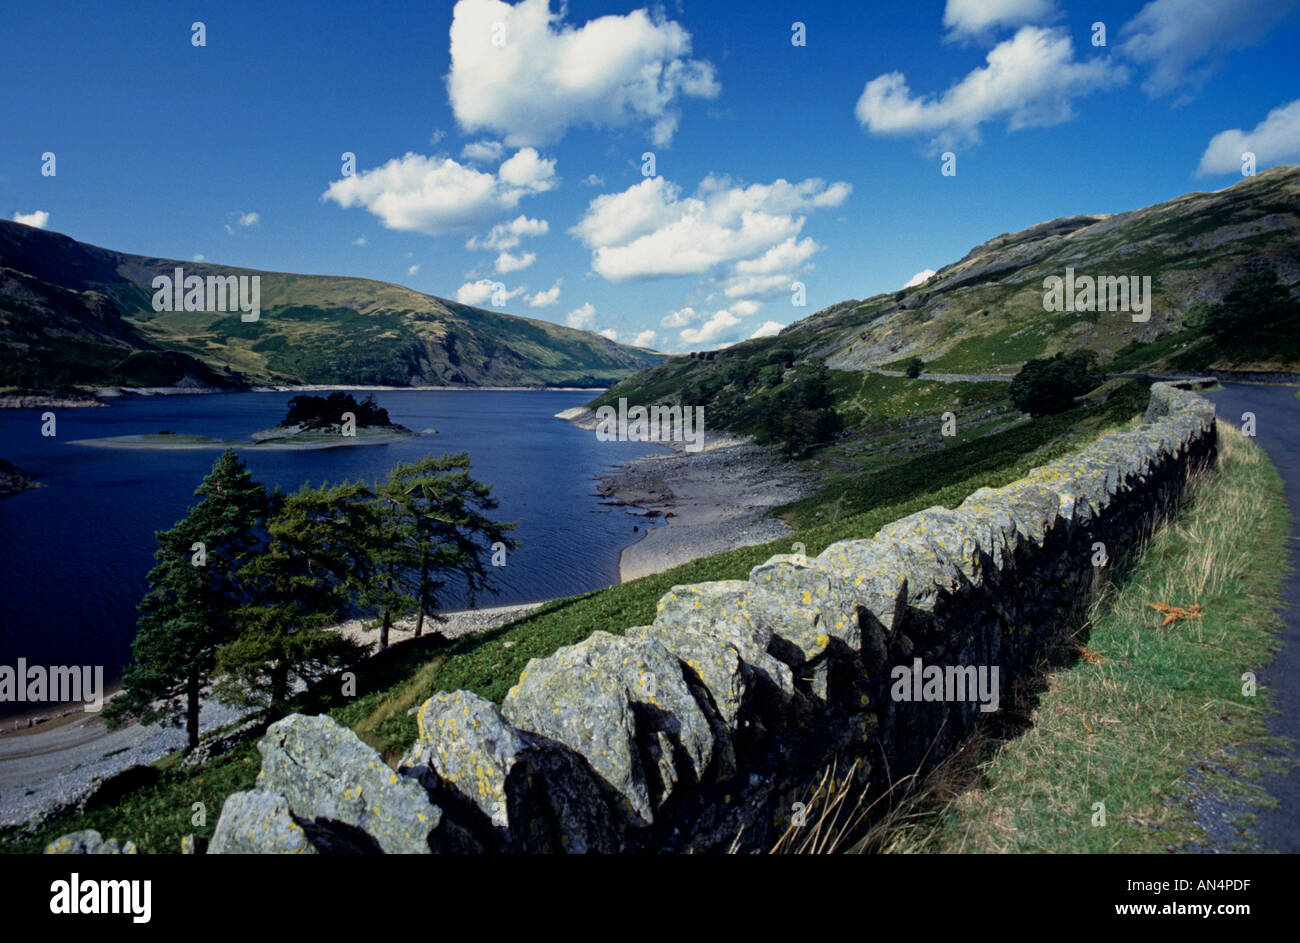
485,290
919,278
37,220
544,299
767,329
681,318
644,339
508,235
744,308
608,333
198,257
507,263
650,230
582,317
249,219
412,270
359,241
1182,40
1030,80
717,327
521,72
485,151
1274,140
437,196
975,18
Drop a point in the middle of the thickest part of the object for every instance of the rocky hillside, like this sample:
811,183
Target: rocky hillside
75,313
984,314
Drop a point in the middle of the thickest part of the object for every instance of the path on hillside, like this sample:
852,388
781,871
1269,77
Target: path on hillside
1277,431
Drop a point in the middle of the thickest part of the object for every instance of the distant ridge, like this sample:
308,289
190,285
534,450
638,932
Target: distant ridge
77,314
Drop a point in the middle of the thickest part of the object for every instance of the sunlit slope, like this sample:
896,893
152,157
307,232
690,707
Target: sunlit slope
71,312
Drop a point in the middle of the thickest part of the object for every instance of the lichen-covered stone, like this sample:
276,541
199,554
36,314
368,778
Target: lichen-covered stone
328,775
88,842
259,823
721,610
539,796
625,706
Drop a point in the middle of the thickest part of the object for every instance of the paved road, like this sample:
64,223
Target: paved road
1277,431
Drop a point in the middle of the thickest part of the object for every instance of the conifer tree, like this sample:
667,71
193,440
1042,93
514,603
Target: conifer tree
194,590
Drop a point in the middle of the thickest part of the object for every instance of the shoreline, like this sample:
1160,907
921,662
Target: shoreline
710,500
109,393
53,764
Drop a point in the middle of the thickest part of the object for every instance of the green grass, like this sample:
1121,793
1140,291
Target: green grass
1128,731
489,663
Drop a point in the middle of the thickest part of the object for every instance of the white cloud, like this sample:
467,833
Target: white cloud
681,318
1182,40
198,257
542,75
645,339
1030,80
485,290
768,329
715,328
744,308
359,241
485,151
249,219
508,235
977,17
37,220
593,180
787,256
1274,140
650,230
608,333
412,270
437,196
919,278
507,263
757,286
582,317
544,299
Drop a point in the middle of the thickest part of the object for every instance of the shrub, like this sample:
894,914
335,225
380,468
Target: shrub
1043,387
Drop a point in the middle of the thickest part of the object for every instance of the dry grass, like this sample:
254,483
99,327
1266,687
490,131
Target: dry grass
1121,728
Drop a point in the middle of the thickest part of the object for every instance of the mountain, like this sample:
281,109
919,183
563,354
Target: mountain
72,313
984,314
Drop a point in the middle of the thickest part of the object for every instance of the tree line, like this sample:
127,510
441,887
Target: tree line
247,584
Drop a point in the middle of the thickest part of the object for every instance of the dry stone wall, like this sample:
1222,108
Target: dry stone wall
700,732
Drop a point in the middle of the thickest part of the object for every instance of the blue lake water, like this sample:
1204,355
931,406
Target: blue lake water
74,554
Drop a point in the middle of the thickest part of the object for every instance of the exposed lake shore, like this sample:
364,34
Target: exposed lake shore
711,500
51,759
97,396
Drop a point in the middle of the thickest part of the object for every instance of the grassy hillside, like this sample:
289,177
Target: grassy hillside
984,314
74,313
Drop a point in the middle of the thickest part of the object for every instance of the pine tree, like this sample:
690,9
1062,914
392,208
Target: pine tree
187,614
297,588
440,513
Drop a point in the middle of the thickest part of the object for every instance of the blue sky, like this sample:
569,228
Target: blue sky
501,145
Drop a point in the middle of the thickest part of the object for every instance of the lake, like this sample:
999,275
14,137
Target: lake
74,554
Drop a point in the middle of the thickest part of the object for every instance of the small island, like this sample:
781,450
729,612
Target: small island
14,480
312,422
